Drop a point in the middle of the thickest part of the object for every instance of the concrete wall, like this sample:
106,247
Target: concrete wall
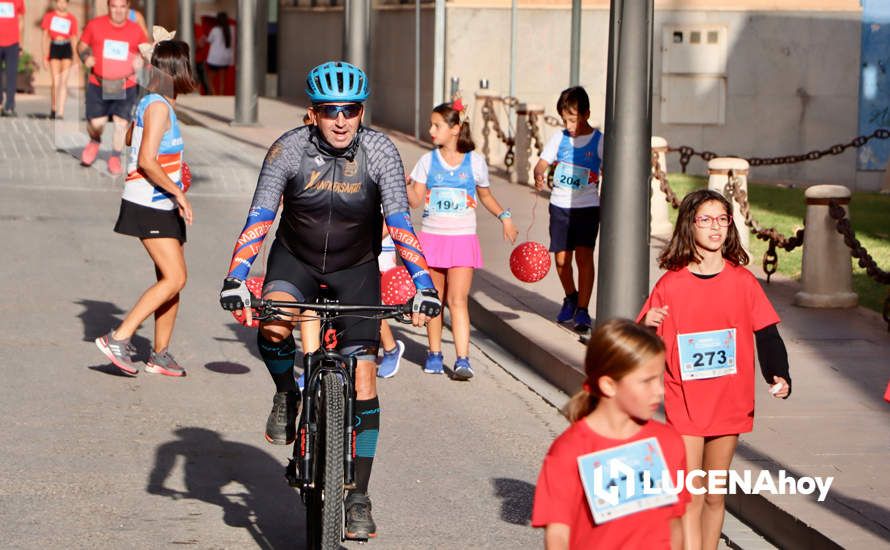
309,36
792,77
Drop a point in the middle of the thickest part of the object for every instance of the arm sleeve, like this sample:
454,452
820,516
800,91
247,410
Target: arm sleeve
408,247
281,163
772,355
480,170
551,148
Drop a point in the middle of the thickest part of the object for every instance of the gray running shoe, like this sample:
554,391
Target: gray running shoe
359,523
281,426
119,352
161,362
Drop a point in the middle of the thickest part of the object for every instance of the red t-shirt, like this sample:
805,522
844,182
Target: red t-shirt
114,47
731,299
61,26
10,10
559,496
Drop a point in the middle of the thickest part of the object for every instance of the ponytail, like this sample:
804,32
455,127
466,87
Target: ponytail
580,405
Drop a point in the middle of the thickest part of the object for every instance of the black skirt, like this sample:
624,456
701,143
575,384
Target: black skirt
149,223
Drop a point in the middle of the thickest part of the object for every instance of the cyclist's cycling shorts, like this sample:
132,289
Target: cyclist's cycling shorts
356,285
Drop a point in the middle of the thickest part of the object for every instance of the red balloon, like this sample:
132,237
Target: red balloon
530,262
396,286
255,285
186,177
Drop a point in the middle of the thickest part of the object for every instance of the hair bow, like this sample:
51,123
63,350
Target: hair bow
158,34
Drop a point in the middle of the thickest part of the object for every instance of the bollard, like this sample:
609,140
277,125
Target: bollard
658,205
718,176
826,271
526,154
493,149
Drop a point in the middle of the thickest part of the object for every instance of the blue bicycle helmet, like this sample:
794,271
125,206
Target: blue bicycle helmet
336,81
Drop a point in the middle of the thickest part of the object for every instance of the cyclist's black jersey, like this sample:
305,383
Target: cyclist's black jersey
332,198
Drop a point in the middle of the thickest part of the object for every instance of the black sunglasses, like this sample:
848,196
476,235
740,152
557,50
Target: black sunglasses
331,111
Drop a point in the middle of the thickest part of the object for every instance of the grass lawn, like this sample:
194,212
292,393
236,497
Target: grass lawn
784,209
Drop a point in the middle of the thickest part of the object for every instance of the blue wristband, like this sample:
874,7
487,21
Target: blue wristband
505,214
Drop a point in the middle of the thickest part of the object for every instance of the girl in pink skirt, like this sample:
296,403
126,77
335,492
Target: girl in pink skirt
449,181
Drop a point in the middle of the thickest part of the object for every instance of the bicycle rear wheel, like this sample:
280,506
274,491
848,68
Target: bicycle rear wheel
324,512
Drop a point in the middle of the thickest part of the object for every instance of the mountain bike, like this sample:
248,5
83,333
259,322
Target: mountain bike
323,466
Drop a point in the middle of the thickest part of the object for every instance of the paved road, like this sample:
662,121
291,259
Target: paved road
93,459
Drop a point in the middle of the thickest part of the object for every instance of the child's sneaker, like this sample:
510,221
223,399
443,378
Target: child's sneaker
462,369
433,363
389,365
582,320
163,363
569,305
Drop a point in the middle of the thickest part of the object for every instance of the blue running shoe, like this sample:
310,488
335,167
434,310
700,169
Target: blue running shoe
569,305
582,320
433,363
462,369
389,365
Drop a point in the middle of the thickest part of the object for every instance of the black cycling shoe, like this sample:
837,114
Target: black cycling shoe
281,426
359,523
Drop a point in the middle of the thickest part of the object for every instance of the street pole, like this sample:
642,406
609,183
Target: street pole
356,26
439,55
575,56
186,30
151,8
416,69
245,61
624,236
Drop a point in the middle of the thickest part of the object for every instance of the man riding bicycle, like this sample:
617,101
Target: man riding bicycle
332,178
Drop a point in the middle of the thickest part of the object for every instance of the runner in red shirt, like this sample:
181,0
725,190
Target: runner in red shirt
59,31
109,46
12,27
709,310
612,420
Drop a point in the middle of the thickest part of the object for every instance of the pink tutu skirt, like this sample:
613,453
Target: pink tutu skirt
444,251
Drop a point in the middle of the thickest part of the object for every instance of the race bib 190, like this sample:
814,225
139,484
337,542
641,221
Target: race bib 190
61,25
707,354
447,201
626,479
571,176
115,50
7,10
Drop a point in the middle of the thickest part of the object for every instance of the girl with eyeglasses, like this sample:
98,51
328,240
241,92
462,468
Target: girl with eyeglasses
709,310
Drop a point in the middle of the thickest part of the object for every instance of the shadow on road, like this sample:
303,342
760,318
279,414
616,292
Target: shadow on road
516,499
261,501
100,317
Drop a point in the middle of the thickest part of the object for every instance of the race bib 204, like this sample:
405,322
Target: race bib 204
571,176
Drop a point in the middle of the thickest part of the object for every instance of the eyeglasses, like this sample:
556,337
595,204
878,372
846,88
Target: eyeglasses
705,222
331,111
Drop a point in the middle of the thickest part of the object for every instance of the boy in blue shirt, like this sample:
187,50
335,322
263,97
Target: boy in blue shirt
577,153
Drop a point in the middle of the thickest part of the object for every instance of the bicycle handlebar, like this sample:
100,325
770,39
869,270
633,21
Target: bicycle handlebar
267,308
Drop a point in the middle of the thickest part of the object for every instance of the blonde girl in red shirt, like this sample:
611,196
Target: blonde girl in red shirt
709,310
612,418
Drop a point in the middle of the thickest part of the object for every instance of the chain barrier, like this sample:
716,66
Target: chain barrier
733,190
490,118
686,152
663,184
865,260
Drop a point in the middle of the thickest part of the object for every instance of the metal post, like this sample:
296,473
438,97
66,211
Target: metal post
416,69
356,27
439,55
186,30
151,8
245,58
575,56
513,46
624,251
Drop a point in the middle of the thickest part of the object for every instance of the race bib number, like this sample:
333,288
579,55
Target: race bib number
448,201
7,10
115,50
707,354
61,25
626,479
571,176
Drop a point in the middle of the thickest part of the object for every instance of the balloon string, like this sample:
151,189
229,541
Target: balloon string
534,208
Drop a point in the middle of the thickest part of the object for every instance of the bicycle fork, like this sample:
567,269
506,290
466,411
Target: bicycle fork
300,468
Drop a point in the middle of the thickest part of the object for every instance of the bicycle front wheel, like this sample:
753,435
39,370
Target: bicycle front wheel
326,512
